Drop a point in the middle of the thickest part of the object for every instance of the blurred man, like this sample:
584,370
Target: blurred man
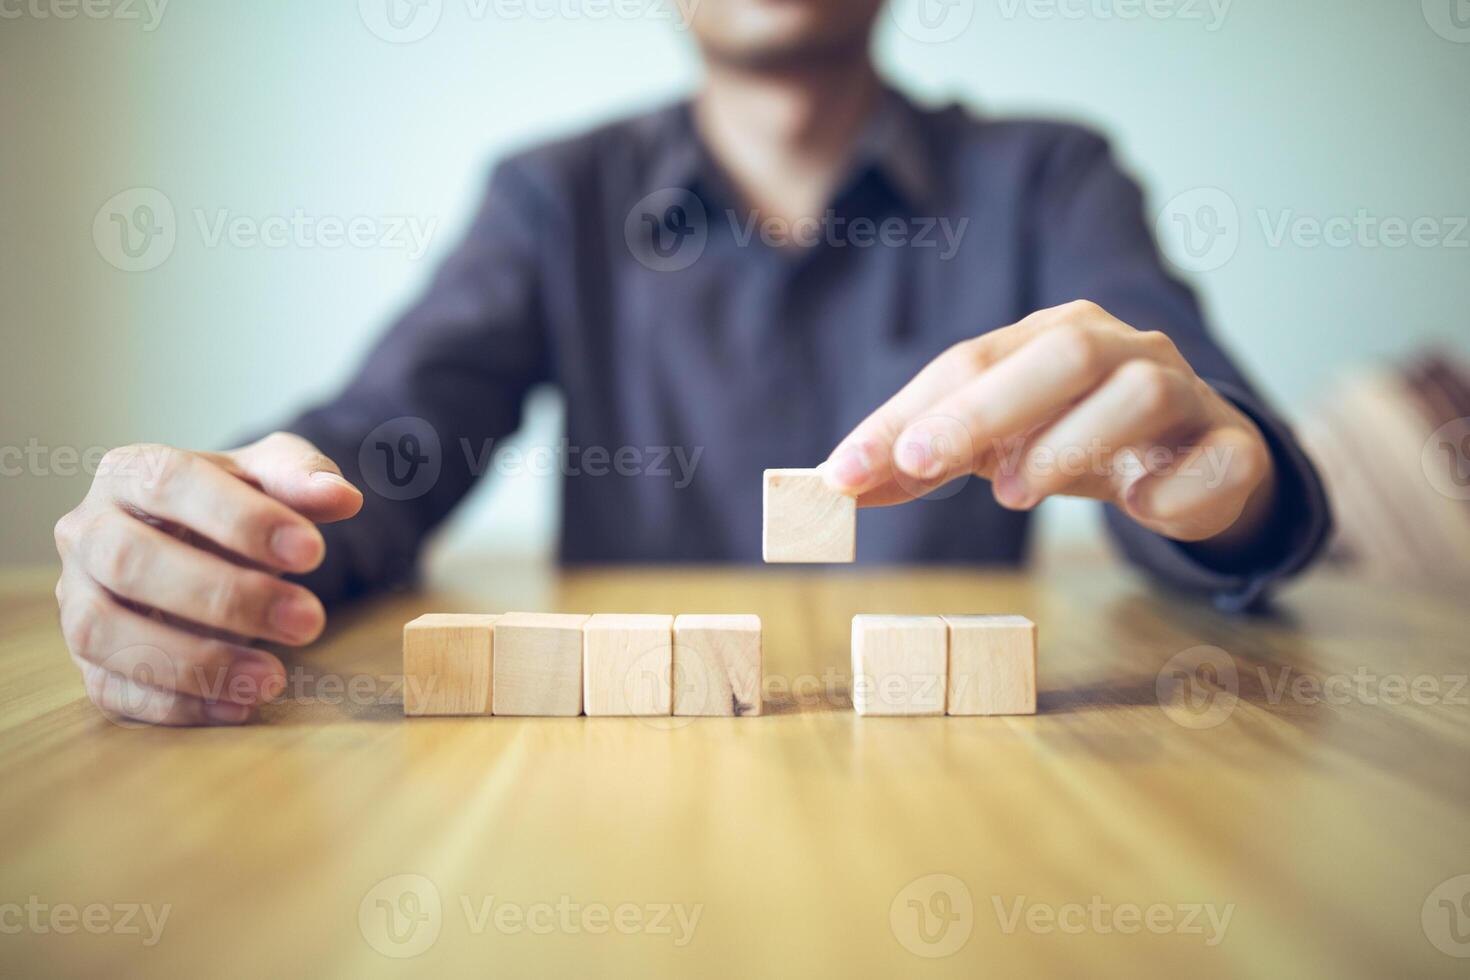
798,259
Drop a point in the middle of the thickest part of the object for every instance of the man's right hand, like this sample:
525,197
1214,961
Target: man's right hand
171,570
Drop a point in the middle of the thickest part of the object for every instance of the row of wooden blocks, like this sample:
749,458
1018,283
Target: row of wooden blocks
561,664
933,665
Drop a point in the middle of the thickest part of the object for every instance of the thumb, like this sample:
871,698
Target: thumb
295,472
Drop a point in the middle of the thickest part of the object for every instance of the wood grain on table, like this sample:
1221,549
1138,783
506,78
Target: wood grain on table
1314,822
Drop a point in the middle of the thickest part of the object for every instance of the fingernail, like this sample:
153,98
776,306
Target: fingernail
916,460
225,712
1133,498
296,616
331,479
1012,491
258,681
849,468
297,546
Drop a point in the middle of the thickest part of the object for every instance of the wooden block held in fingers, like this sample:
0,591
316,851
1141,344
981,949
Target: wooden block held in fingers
717,665
538,664
899,665
992,665
628,664
448,664
804,521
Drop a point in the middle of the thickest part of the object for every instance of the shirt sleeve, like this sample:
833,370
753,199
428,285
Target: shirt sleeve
413,426
1094,243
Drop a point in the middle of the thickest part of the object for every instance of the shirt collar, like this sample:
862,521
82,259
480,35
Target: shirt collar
892,144
677,156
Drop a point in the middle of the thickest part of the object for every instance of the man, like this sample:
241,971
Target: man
645,270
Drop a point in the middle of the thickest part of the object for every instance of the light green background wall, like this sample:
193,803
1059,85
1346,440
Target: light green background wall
1311,107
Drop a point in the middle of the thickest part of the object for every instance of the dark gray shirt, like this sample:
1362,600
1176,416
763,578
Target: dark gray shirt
695,350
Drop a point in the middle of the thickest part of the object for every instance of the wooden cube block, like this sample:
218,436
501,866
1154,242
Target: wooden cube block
717,665
448,664
803,521
628,664
538,664
899,665
992,665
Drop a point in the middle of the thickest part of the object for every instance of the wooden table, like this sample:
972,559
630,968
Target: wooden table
1314,826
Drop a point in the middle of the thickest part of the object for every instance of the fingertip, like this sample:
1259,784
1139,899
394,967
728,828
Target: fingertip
330,479
915,459
299,547
256,677
226,713
849,471
298,617
331,497
1148,501
1012,493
